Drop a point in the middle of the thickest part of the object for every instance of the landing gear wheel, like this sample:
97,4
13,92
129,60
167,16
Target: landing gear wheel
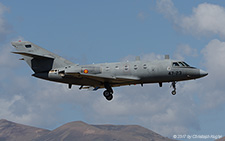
108,95
173,92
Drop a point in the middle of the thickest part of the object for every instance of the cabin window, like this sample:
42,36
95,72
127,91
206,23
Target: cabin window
145,66
28,46
116,67
107,68
126,67
135,67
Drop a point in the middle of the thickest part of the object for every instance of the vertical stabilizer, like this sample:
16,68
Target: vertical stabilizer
39,59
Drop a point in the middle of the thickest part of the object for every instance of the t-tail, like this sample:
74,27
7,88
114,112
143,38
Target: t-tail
39,59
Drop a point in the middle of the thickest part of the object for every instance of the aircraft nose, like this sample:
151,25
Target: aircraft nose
203,73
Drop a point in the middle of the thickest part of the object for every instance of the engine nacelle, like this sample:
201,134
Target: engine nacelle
91,70
82,70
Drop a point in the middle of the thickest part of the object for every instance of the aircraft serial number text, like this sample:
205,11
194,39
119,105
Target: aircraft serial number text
175,73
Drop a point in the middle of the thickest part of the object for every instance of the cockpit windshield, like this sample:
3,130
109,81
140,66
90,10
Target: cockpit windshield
180,64
186,64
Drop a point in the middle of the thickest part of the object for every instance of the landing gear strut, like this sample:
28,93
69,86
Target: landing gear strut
108,93
174,88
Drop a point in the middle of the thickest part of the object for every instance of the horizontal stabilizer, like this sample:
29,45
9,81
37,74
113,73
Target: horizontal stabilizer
34,55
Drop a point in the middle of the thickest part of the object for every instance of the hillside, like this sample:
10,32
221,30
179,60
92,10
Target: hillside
221,139
10,131
77,130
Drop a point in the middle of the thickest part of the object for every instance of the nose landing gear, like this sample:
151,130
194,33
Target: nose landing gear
174,88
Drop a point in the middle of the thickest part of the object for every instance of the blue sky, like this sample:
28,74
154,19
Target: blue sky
87,32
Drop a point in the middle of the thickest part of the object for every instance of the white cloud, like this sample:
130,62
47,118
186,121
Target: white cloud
5,28
185,50
7,59
214,54
151,107
167,8
206,19
38,103
5,104
213,94
142,15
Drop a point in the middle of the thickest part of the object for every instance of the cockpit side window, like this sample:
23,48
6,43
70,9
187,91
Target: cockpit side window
175,64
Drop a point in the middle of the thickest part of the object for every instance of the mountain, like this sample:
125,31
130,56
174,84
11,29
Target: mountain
10,131
221,139
78,130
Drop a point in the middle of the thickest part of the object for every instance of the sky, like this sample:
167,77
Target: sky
87,32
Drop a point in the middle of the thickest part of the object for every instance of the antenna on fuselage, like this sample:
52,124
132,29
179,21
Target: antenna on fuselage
137,58
167,56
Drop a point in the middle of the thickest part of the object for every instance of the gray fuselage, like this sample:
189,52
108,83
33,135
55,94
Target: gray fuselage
136,72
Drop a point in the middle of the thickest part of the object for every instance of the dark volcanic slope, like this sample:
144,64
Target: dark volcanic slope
10,131
85,132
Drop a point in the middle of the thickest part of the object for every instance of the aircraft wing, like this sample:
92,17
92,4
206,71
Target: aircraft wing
113,80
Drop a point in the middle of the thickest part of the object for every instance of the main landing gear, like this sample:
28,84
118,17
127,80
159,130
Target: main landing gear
108,93
174,88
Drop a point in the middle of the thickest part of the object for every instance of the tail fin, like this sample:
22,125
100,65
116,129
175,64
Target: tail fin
39,59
